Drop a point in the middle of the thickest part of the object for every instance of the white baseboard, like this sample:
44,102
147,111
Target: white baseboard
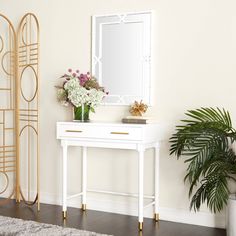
130,208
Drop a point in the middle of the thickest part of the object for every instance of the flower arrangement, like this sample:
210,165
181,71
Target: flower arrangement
82,91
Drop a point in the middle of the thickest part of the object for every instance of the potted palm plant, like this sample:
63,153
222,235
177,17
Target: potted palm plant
205,141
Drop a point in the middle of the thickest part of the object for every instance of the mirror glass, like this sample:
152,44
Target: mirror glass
121,52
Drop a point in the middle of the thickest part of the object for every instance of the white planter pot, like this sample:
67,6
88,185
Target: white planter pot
231,216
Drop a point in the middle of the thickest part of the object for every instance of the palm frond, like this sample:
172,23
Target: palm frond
204,139
213,190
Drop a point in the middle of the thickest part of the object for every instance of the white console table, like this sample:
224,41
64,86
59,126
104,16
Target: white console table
111,135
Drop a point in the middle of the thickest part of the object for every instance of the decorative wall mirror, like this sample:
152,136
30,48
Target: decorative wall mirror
121,56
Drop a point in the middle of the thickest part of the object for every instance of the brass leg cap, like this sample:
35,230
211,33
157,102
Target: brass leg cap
38,206
64,214
156,217
84,207
140,226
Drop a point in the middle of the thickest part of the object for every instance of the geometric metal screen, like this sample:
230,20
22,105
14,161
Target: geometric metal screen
28,95
19,113
7,109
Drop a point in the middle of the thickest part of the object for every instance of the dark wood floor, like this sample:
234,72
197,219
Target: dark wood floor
114,224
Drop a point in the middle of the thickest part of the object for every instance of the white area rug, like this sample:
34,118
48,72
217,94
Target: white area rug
17,227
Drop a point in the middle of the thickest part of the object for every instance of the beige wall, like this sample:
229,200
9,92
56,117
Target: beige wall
195,65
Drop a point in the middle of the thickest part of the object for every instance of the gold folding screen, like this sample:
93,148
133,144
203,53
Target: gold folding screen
8,161
28,63
19,114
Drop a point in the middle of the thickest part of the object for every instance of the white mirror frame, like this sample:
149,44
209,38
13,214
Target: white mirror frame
137,17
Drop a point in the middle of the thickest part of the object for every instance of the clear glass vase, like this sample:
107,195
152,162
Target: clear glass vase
82,113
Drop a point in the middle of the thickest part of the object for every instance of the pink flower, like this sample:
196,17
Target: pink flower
83,78
70,70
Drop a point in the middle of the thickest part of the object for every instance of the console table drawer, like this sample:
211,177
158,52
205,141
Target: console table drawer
101,132
73,131
124,133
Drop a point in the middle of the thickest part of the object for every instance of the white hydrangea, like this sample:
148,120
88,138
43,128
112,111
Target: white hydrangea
95,97
79,95
72,84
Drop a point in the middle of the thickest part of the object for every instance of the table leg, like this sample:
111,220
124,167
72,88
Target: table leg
140,194
156,212
84,178
64,182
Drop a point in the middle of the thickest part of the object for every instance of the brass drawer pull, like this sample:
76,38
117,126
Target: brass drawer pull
74,131
125,133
